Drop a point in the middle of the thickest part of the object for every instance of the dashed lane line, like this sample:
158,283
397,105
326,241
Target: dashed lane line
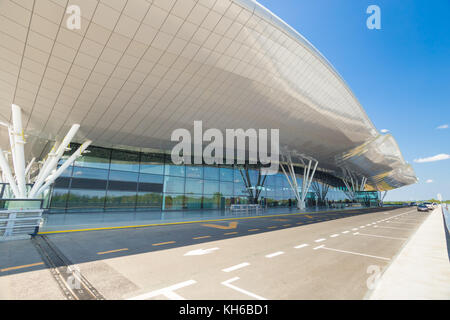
301,246
21,267
320,240
163,243
271,255
236,267
201,237
113,251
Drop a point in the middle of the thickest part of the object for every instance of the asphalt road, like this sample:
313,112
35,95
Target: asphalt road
301,256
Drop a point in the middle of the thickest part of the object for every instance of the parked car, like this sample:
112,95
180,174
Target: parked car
429,205
423,207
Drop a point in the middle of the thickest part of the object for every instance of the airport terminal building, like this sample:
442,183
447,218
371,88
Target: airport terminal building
135,71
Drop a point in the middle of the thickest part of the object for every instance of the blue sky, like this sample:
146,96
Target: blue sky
400,74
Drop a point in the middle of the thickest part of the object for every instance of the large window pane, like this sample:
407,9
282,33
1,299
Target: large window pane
59,199
89,178
152,163
173,184
211,187
226,188
240,189
226,174
125,160
172,170
95,158
151,182
174,202
90,173
194,186
149,200
120,199
86,199
193,201
211,173
194,172
211,201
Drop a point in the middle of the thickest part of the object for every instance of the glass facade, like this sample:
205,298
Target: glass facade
118,180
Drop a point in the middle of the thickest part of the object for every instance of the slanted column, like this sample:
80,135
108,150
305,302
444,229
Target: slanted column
308,176
52,161
63,167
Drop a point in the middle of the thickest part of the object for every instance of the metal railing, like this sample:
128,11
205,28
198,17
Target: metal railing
19,218
245,208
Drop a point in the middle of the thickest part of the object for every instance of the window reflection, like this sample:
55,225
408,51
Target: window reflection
86,199
125,160
94,157
152,163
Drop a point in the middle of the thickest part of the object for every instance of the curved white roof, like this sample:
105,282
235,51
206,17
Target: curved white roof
137,70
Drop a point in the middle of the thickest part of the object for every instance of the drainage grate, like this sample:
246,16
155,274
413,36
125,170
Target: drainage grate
68,276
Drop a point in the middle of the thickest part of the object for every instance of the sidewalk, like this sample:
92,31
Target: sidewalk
422,269
71,221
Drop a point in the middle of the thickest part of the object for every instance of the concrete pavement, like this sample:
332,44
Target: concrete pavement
335,256
422,269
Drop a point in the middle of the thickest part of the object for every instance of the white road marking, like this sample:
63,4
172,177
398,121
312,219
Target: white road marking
362,227
200,252
412,224
238,266
167,292
356,233
377,236
355,229
271,255
334,235
320,240
394,228
228,284
346,231
301,246
355,253
319,247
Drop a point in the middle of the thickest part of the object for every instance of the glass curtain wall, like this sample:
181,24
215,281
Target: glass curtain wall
105,179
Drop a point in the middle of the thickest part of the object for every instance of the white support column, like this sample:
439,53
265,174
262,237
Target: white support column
363,184
63,167
308,176
309,179
6,170
52,162
19,152
28,170
292,180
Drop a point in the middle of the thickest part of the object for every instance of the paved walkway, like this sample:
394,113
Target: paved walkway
87,220
422,269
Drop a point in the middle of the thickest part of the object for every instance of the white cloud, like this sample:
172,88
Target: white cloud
429,181
384,130
438,157
444,126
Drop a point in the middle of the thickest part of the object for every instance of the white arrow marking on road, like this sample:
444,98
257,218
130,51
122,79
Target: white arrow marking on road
200,252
